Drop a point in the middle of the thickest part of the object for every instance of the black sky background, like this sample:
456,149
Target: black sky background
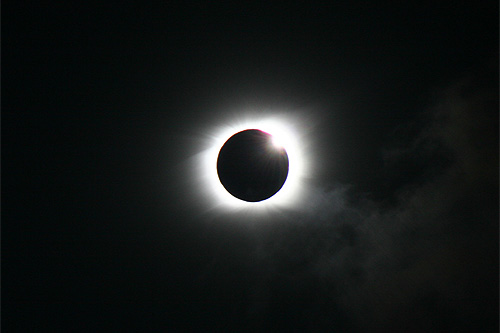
104,107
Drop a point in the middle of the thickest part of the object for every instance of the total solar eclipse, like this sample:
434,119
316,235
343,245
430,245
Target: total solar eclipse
252,166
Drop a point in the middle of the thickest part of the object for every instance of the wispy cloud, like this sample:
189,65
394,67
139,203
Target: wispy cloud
428,262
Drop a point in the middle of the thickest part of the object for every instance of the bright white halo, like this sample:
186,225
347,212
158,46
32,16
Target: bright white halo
285,135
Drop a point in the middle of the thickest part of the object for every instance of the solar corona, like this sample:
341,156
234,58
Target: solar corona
254,164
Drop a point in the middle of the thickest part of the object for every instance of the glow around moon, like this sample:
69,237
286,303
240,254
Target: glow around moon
285,132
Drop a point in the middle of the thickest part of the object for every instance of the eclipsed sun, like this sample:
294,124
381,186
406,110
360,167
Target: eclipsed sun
255,164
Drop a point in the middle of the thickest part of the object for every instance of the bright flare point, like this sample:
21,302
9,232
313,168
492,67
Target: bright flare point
276,142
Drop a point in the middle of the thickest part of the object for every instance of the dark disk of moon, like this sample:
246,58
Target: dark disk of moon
250,167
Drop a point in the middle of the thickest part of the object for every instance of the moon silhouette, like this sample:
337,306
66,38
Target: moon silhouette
251,167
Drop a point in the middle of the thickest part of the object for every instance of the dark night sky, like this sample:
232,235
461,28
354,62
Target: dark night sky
105,108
